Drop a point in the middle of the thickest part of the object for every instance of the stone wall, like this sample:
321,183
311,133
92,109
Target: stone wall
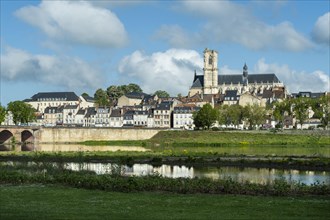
64,135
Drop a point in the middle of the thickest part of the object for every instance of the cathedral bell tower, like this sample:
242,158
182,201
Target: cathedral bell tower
210,72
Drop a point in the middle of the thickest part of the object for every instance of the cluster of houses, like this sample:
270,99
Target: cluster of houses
137,109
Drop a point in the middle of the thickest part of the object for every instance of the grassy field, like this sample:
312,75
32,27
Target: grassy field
219,138
54,202
216,138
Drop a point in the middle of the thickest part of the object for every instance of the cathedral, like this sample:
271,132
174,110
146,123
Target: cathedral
211,83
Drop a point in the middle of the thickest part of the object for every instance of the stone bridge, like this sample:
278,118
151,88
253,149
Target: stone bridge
18,134
39,135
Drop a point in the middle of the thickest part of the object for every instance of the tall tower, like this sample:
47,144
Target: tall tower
210,71
245,75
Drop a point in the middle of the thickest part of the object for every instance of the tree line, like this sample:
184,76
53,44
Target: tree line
111,95
254,115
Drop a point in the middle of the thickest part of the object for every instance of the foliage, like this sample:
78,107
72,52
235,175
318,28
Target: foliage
223,116
281,110
3,113
321,108
115,92
205,117
254,114
162,94
22,112
84,94
101,98
301,107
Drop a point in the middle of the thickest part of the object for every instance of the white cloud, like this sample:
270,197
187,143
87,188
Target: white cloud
77,22
321,30
231,22
172,70
71,73
316,81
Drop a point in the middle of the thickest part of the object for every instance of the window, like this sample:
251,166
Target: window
210,60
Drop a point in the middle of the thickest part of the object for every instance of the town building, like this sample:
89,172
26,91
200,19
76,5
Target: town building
213,83
183,116
116,118
162,115
102,117
42,100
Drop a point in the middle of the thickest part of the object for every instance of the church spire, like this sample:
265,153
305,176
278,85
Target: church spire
245,74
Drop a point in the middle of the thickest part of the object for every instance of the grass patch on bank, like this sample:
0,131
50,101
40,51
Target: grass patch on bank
57,202
219,139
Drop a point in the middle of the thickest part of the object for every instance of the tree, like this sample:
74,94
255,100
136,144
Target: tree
162,94
321,108
254,114
281,110
223,117
205,117
22,112
235,114
300,108
132,88
101,98
115,92
2,114
84,94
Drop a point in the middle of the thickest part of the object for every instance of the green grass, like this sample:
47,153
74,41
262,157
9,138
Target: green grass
216,138
54,202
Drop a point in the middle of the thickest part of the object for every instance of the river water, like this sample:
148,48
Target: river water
254,175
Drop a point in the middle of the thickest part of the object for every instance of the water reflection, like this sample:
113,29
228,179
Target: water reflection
253,175
68,147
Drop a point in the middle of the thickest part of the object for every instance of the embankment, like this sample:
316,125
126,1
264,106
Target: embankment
73,135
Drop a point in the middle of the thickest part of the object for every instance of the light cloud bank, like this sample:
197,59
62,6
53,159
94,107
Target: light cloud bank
71,73
172,70
76,22
227,21
321,30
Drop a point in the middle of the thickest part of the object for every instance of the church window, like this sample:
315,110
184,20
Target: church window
210,60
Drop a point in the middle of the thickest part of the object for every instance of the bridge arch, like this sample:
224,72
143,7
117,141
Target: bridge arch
26,136
5,136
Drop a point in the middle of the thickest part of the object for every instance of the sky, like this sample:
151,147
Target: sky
81,46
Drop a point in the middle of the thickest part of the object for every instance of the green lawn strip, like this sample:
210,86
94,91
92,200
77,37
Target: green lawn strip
56,202
219,139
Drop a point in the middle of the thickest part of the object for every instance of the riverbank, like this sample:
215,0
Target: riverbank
57,202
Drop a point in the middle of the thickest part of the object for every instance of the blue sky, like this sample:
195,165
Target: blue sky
81,46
